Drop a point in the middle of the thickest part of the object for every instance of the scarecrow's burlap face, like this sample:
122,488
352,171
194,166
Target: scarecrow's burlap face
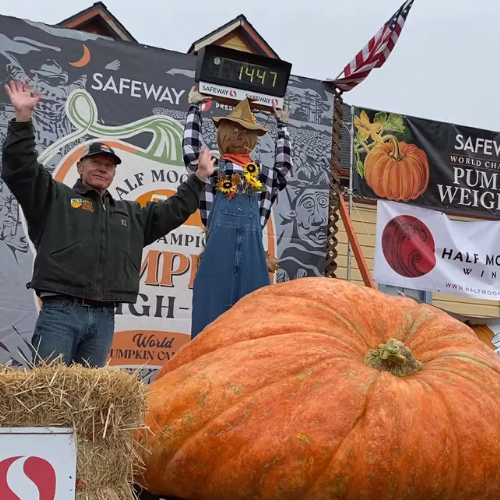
235,139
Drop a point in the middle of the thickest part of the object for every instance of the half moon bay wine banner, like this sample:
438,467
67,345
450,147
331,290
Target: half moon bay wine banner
135,98
426,163
423,249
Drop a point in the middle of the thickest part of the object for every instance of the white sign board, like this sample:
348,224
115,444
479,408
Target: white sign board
37,464
239,95
425,250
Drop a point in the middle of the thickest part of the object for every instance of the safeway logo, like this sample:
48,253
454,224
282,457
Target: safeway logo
27,478
206,106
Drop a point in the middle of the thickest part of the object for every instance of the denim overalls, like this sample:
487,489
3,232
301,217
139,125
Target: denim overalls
234,263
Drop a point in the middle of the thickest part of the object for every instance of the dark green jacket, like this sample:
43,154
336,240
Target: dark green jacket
87,246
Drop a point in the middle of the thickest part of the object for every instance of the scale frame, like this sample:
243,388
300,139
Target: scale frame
224,91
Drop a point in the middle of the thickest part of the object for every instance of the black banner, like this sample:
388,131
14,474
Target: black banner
426,163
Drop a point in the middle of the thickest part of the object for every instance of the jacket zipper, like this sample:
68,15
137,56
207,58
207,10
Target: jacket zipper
103,233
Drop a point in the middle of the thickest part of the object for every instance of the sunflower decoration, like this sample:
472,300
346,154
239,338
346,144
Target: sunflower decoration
236,181
253,181
229,185
252,178
251,169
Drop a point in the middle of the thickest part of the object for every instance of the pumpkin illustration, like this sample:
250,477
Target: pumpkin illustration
397,171
319,389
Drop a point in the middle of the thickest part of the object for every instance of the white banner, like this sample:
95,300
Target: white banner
425,250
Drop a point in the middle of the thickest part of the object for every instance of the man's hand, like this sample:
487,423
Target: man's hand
23,100
205,165
196,98
282,114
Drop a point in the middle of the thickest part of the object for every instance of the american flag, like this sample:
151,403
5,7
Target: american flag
376,52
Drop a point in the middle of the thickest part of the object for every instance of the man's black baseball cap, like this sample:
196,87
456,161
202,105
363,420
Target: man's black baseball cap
99,148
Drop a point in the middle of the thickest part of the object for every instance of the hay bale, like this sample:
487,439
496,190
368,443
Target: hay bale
105,406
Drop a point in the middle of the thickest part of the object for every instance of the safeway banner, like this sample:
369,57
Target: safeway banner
423,249
426,163
37,463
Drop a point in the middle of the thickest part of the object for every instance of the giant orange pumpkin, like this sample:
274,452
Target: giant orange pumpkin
397,171
298,392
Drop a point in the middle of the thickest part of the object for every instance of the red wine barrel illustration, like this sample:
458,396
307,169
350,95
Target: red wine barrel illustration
408,246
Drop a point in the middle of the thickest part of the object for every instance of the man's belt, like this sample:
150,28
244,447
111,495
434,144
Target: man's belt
83,302
93,303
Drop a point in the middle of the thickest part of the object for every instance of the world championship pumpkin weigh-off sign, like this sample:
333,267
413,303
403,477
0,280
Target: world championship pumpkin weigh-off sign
426,163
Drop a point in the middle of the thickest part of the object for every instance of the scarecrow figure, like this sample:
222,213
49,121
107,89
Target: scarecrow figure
234,208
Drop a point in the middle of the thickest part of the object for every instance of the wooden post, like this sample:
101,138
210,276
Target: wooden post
356,247
334,192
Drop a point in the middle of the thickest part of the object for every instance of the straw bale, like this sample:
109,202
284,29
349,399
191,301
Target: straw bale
105,406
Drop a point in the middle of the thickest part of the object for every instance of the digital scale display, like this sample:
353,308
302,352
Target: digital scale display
232,74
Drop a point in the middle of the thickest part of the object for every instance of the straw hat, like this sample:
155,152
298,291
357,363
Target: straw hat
242,115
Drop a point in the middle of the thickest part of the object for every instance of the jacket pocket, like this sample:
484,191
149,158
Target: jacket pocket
120,231
67,248
69,265
131,261
124,274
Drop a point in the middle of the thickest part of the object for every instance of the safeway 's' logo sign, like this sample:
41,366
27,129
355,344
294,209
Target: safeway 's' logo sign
27,478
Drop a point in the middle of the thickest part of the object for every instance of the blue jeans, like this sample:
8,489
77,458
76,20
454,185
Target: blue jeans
76,333
234,263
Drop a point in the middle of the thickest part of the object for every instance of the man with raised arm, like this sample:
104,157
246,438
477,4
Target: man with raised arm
89,245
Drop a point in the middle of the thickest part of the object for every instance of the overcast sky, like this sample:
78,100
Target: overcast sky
444,66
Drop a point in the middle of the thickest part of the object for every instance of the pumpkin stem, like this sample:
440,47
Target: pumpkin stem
393,357
396,154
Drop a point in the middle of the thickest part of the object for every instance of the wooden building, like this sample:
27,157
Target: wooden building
98,20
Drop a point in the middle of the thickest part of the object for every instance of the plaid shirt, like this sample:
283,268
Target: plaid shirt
274,179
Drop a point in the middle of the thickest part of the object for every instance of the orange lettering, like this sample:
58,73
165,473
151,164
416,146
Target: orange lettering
169,261
150,267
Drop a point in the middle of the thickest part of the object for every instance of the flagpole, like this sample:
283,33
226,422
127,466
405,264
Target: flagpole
328,80
339,75
351,159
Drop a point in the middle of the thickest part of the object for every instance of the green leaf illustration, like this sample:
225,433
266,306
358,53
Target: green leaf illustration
360,167
380,117
406,137
395,123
